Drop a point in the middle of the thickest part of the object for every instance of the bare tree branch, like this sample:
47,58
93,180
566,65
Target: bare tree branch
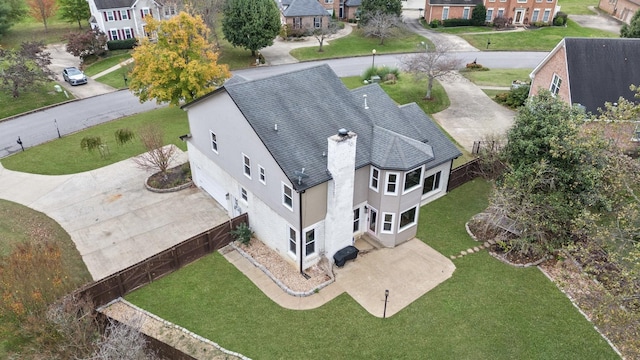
383,26
158,157
432,64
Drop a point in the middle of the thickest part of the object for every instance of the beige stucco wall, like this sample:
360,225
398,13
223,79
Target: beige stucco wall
314,205
556,64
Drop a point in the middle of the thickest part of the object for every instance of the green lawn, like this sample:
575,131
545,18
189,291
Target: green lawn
487,310
31,30
106,63
355,44
116,78
497,77
19,223
577,7
464,29
64,156
543,39
37,97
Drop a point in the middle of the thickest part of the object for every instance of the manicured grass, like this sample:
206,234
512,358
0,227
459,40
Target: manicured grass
116,78
492,93
31,30
105,64
497,77
355,44
543,39
18,224
464,29
577,7
487,310
64,156
37,97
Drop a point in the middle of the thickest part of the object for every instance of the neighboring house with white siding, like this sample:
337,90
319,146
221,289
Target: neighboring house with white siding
272,147
125,19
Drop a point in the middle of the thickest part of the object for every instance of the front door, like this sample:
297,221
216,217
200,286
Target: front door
373,220
519,15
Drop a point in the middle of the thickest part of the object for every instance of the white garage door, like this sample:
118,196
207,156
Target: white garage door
210,186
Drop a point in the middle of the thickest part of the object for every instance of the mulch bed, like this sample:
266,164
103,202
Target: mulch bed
174,177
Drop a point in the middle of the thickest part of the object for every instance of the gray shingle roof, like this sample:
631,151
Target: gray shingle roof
305,8
601,70
114,4
310,105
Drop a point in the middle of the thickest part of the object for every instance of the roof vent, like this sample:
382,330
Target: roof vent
365,101
343,132
275,127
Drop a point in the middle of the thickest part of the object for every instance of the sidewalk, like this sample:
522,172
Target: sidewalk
113,68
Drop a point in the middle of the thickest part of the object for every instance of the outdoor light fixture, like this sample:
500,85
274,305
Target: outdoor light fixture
386,297
373,62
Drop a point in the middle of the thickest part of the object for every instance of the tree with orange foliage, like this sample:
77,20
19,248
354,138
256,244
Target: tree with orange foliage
180,65
42,10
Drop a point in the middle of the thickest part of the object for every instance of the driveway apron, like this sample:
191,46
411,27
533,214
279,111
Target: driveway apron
111,217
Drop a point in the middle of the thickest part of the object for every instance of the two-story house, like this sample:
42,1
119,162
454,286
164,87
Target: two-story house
622,10
125,19
303,14
315,164
517,12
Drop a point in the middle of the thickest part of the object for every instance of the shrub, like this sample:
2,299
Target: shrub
514,98
122,44
434,23
474,66
90,143
456,22
500,22
478,15
242,233
124,136
560,19
381,71
540,24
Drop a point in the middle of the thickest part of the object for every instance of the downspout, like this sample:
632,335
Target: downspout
301,237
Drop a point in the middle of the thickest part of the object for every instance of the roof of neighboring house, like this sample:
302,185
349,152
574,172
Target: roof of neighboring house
601,70
304,8
353,2
310,105
455,2
113,4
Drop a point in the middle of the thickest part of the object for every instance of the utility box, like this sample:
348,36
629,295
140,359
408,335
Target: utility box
375,79
345,254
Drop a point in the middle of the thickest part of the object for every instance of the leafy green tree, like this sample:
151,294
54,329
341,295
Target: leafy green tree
479,15
251,24
74,11
631,30
180,65
370,7
11,11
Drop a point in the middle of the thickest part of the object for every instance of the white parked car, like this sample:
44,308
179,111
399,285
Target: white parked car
74,76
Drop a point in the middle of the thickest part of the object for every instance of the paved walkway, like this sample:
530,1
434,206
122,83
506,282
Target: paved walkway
600,20
408,271
111,217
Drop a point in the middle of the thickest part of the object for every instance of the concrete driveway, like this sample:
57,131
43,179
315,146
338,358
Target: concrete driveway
472,116
112,218
598,20
61,59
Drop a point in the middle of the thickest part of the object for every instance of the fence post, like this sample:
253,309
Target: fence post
176,260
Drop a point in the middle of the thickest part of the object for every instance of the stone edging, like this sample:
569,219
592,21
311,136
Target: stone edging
535,263
179,328
277,281
466,226
162,191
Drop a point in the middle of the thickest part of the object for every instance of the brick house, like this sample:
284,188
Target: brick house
590,81
519,12
303,14
622,10
125,19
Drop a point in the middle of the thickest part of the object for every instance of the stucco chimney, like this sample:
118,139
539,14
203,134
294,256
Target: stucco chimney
341,163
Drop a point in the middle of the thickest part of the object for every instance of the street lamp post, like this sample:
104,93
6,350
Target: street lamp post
373,62
386,297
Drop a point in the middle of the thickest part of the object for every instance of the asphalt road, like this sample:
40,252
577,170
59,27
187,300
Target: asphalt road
42,126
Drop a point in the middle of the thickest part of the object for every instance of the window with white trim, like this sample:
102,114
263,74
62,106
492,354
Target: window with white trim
408,219
465,12
500,13
536,15
113,34
445,13
310,242
412,179
262,176
522,1
392,184
545,16
317,22
489,15
374,179
293,242
287,196
128,34
145,12
243,194
111,16
124,15
297,23
356,220
431,183
538,1
328,1
555,84
214,141
387,223
492,0
246,165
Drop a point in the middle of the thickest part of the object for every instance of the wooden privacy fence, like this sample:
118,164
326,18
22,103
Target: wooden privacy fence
125,281
464,173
